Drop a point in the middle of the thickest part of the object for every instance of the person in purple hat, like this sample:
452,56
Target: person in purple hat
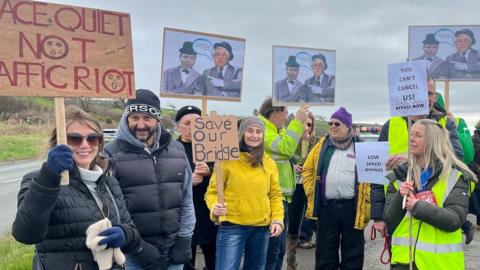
465,63
335,197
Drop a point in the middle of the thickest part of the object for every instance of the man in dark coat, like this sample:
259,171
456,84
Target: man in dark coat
319,88
433,62
223,80
286,89
156,180
465,63
205,231
183,79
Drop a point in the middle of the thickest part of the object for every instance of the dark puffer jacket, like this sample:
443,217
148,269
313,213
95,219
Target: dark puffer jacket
152,187
55,218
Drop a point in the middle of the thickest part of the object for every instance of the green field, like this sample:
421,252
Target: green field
18,147
15,256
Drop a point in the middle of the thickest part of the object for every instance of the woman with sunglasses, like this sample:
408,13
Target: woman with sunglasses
436,185
56,218
335,197
253,211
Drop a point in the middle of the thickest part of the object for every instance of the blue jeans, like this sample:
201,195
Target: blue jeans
233,240
276,245
131,265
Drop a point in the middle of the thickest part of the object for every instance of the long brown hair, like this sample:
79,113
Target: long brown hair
76,114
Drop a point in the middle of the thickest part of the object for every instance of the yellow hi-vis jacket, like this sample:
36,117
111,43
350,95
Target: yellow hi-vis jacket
281,146
433,248
398,134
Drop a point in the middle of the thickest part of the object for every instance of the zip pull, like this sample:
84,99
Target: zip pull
154,159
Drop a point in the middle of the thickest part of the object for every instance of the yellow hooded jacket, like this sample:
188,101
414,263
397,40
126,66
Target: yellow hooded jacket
309,181
253,195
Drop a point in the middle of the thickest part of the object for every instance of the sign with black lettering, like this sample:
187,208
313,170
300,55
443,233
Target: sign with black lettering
407,83
64,51
215,138
370,158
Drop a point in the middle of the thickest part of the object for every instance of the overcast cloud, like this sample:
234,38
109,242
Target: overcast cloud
367,36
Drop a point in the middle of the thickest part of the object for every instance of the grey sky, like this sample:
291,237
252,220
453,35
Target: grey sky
367,36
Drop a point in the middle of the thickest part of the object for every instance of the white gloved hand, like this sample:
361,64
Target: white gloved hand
460,66
216,82
316,89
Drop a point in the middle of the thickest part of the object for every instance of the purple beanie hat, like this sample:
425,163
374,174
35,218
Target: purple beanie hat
344,116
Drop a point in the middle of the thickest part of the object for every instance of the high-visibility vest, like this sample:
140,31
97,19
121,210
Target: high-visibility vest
281,146
398,134
433,248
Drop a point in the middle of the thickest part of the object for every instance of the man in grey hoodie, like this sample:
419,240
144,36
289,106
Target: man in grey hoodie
156,181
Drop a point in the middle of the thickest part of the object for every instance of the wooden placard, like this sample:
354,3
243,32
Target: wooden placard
64,51
215,138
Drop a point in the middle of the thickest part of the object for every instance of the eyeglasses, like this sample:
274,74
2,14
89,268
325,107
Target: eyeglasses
309,124
76,139
337,124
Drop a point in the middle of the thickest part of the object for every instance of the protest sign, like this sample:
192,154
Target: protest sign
407,83
64,51
370,158
215,138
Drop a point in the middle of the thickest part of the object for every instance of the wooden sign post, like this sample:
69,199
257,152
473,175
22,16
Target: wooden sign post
215,138
53,50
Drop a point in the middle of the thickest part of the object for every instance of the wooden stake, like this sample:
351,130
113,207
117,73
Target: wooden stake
220,195
447,95
61,132
204,106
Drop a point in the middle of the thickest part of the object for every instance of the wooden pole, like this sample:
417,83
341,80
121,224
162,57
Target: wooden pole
447,95
204,106
220,195
410,224
61,132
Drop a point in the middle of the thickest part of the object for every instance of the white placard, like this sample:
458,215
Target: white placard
370,158
407,84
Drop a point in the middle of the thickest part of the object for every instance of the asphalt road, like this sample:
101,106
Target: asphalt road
10,177
11,174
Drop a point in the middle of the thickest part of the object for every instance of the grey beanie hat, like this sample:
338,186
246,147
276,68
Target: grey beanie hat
247,122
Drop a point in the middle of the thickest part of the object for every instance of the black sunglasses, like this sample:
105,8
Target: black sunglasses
337,124
76,139
309,124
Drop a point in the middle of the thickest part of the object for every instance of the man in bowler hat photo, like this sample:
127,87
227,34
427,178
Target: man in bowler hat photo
464,64
183,79
223,80
286,89
433,62
321,86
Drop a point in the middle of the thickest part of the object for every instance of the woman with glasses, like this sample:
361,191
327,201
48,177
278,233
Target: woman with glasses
436,185
335,197
56,218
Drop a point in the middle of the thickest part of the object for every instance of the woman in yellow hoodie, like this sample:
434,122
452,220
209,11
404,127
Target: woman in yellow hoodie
253,211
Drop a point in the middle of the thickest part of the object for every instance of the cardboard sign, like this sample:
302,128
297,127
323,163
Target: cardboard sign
64,51
215,138
370,158
407,83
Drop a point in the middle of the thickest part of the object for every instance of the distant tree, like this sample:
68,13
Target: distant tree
119,103
85,103
255,112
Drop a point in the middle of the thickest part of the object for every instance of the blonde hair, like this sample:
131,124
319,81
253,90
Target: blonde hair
438,151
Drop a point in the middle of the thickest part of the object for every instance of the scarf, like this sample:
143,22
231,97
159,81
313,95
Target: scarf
343,144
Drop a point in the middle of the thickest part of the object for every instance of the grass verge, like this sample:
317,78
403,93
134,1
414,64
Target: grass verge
14,255
18,147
